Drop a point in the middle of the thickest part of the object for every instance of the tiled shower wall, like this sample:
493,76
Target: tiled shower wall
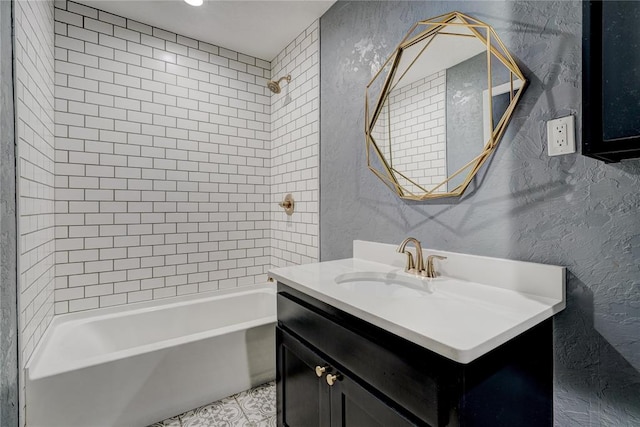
295,150
34,76
162,163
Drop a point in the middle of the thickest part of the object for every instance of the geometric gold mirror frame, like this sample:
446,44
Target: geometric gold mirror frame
439,105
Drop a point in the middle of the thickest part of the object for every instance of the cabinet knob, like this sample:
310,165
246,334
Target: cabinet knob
321,370
332,379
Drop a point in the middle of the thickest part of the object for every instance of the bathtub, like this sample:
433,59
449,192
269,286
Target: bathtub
134,365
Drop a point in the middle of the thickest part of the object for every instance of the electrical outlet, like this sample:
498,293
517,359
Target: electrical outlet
561,136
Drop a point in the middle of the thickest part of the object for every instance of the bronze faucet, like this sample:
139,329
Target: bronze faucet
417,267
411,267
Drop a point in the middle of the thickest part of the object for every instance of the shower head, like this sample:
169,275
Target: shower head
274,86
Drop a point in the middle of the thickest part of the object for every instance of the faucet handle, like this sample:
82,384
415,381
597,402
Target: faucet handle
431,271
411,265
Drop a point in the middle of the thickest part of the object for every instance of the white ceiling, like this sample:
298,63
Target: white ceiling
260,28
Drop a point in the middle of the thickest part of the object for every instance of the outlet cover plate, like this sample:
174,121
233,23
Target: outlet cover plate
561,136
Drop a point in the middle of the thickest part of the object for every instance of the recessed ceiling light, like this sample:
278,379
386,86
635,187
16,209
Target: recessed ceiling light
194,2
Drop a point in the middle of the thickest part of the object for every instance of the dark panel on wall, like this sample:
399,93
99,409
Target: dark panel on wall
610,73
568,210
8,289
621,69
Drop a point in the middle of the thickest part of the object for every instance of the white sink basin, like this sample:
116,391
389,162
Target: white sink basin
386,284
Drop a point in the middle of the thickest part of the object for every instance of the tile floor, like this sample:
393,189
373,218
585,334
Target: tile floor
251,408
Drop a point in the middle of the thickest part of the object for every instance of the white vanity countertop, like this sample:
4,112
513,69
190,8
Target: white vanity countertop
458,319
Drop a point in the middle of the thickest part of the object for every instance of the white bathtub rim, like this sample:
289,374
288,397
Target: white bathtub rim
33,369
88,316
162,302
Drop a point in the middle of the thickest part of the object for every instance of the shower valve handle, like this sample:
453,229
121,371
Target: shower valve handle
288,204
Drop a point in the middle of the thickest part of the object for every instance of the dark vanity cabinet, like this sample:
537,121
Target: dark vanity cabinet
334,369
314,402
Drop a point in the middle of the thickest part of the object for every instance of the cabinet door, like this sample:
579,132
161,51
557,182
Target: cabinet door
354,406
303,397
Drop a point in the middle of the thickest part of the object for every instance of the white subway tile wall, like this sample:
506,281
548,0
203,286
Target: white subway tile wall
294,154
163,163
34,80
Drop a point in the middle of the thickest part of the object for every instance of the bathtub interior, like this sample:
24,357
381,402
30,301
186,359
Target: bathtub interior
147,387
84,339
197,351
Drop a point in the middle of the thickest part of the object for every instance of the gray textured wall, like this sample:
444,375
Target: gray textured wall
568,210
8,289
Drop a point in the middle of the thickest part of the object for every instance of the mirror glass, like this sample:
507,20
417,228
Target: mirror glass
438,106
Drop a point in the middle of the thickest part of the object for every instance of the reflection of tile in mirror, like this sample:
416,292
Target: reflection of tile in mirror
417,128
